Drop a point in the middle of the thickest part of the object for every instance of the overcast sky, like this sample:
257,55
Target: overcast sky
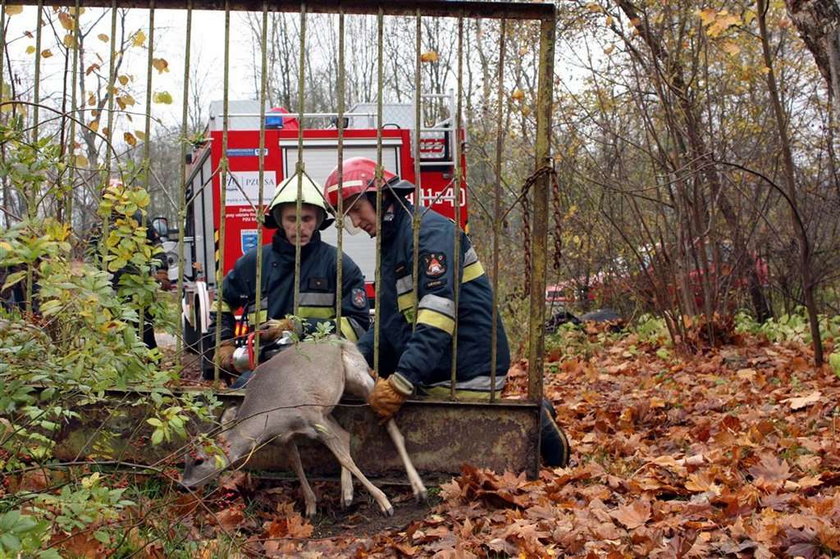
207,55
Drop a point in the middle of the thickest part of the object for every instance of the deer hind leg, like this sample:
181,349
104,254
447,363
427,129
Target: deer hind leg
346,487
309,497
413,477
337,440
359,383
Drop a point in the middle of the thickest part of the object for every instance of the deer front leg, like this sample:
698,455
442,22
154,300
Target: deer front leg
413,477
337,440
309,498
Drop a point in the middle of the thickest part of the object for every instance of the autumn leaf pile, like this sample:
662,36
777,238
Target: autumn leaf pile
732,452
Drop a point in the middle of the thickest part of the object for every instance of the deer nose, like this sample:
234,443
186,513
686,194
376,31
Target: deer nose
181,487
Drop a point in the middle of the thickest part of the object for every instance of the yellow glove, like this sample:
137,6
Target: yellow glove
271,330
389,395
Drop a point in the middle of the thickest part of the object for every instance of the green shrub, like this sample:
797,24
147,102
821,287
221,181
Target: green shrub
788,327
75,339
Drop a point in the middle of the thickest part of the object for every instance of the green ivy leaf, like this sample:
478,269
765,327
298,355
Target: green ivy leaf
10,542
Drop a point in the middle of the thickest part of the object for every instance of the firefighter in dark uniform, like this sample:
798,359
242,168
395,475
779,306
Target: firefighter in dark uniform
415,352
318,275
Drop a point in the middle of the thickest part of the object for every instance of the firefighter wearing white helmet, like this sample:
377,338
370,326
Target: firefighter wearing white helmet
286,196
317,282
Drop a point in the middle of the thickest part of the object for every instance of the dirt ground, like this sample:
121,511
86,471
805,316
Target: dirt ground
191,372
363,517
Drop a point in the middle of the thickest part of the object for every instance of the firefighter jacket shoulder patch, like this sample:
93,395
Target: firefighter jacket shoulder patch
434,264
359,298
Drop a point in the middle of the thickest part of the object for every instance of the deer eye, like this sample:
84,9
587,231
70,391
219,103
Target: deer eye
198,462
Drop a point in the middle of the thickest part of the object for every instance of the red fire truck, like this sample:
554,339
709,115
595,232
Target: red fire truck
281,153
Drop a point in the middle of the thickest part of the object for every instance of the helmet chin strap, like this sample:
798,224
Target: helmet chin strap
349,227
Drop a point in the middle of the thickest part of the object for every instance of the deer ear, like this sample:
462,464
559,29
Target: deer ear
228,417
226,422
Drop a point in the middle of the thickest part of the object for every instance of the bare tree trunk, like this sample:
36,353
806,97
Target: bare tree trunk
818,23
790,180
833,46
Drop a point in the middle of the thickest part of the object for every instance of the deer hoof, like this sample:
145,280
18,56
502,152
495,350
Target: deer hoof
421,496
388,512
346,502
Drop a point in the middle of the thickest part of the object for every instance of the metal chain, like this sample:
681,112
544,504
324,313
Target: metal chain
558,220
526,221
526,234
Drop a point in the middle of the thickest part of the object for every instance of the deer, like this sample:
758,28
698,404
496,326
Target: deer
292,395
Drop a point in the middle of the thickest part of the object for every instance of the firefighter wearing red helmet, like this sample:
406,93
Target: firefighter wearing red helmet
415,351
317,281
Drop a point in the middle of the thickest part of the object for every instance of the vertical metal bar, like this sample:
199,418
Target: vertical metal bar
182,193
147,129
300,168
417,216
260,211
339,212
31,197
109,132
456,201
74,74
147,144
63,130
497,211
542,192
4,178
112,78
2,47
36,99
223,178
379,190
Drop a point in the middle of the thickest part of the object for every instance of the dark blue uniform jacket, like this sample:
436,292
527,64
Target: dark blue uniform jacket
318,275
420,347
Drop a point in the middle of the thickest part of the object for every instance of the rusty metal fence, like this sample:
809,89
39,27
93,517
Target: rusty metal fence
60,115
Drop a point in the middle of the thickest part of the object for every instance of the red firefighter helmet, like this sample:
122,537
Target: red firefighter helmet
358,176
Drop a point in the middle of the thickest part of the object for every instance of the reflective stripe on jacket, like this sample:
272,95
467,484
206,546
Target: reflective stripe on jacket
420,347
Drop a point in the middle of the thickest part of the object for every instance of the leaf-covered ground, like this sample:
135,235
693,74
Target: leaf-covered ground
730,453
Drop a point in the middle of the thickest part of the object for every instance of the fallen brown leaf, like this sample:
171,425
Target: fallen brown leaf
803,401
633,515
230,518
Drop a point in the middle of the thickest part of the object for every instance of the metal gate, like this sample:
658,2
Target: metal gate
97,127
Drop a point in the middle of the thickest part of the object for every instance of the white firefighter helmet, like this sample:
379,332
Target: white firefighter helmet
287,193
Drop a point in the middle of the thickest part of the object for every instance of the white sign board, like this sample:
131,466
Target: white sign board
243,187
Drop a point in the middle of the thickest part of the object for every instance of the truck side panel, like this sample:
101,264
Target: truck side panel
242,189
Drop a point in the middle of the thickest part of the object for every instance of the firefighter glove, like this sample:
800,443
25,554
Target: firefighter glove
389,395
224,355
273,329
162,276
